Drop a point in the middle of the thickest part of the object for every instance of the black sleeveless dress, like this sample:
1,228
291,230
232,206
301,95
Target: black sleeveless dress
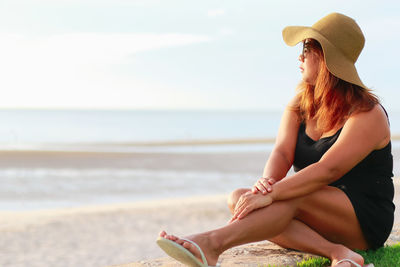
369,185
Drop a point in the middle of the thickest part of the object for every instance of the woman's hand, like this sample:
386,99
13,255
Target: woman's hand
249,202
263,185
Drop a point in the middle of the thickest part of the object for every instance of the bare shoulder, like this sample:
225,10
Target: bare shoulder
374,122
294,101
375,116
291,109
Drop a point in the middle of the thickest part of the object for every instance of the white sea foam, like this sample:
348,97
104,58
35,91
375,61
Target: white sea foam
122,148
40,188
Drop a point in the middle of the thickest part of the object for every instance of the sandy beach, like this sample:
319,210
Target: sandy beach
113,234
105,235
102,236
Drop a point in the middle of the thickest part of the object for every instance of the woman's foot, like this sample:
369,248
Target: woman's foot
205,242
344,253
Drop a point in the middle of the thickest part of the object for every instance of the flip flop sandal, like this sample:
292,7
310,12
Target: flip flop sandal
181,254
354,263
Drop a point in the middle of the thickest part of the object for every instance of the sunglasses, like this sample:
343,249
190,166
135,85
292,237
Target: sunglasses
309,46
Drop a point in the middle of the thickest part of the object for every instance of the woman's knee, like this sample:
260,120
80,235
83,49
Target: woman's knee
234,196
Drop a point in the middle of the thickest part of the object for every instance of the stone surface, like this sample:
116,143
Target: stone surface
253,255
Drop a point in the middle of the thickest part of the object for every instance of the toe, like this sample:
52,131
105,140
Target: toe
173,238
180,242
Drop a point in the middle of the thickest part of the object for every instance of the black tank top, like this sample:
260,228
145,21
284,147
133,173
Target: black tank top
377,167
368,185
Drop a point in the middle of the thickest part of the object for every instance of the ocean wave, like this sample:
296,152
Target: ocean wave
38,188
197,146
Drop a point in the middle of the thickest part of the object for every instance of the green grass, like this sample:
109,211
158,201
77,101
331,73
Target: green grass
388,256
383,257
314,262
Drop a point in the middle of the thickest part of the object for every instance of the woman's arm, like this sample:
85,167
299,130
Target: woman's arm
361,134
282,155
277,166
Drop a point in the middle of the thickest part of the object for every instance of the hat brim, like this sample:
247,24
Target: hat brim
337,63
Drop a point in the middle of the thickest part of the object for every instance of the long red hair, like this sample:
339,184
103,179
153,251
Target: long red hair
331,100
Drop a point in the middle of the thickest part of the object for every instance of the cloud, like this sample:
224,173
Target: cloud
98,44
56,69
84,48
216,12
88,2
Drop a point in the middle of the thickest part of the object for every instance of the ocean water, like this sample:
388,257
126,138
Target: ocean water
35,129
21,129
33,188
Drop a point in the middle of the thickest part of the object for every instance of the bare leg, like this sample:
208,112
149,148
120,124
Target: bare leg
300,236
327,211
296,235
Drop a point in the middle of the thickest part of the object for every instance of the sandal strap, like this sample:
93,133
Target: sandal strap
203,258
351,261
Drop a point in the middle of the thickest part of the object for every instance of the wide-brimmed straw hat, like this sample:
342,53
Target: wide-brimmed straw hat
341,39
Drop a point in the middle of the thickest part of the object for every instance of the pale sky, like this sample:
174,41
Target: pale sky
176,54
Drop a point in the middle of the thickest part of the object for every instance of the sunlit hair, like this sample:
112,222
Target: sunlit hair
331,100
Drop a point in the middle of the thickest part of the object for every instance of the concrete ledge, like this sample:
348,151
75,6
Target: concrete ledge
253,255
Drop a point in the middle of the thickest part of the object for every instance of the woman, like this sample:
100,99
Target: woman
336,136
